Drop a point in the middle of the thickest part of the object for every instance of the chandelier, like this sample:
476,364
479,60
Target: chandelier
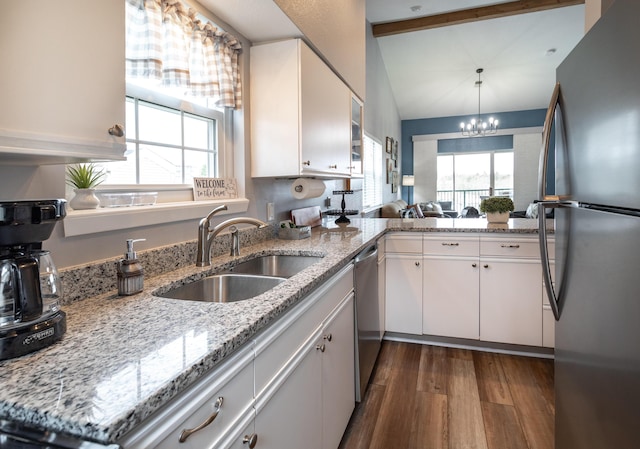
477,127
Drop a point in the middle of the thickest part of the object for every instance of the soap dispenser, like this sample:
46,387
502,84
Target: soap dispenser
130,272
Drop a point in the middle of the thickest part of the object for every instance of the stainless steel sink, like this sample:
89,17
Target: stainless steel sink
276,265
224,288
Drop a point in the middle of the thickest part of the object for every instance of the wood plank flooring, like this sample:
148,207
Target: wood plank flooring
429,397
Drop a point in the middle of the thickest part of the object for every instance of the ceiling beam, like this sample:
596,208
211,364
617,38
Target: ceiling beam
469,15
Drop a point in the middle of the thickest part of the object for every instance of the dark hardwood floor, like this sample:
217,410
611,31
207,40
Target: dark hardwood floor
429,397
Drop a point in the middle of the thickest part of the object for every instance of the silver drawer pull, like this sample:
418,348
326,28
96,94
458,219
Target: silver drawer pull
510,245
186,433
450,244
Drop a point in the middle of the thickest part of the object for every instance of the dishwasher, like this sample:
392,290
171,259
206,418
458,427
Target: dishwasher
367,316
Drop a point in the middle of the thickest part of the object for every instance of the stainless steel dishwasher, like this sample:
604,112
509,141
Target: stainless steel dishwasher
367,316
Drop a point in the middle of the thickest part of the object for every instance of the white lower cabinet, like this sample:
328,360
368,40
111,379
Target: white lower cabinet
309,403
450,287
510,292
403,293
338,368
450,301
548,320
486,287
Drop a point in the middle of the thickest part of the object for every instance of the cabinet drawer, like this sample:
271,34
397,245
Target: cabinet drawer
230,401
510,247
453,245
409,243
278,343
232,381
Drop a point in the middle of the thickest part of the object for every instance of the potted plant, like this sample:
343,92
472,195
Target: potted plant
84,178
497,208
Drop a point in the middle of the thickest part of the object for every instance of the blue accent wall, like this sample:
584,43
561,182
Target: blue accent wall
441,125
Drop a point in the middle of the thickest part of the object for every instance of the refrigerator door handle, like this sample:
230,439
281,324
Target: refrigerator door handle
544,251
546,138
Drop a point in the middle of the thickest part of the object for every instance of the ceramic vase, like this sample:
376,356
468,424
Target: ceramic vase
84,199
497,217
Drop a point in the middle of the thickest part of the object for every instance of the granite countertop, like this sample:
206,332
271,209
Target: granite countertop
122,358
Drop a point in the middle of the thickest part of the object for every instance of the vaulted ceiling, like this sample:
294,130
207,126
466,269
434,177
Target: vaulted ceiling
433,71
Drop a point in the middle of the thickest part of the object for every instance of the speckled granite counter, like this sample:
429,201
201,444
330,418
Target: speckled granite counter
124,357
515,225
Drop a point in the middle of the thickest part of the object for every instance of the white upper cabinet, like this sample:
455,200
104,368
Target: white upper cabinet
63,82
300,114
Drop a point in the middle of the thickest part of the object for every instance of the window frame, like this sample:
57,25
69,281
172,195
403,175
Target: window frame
491,154
378,170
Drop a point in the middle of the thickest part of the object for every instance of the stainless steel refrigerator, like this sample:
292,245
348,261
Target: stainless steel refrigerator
596,295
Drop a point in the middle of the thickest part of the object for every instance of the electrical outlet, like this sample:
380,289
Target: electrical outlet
270,212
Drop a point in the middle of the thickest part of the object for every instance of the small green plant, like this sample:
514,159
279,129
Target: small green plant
497,204
84,176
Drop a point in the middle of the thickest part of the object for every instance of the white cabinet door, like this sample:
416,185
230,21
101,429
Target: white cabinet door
338,374
326,118
300,113
510,292
63,85
450,297
382,281
548,320
403,293
290,415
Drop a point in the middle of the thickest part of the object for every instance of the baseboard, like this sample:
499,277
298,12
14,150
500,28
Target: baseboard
473,345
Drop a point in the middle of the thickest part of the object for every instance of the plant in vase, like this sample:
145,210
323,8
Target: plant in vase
84,178
497,208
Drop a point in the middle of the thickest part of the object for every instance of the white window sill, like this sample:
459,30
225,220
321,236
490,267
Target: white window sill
84,222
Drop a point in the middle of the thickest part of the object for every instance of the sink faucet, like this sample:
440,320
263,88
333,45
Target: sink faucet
206,236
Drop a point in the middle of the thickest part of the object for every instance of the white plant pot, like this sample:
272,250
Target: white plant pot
84,199
498,217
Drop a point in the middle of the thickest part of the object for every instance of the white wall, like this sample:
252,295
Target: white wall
425,154
526,157
381,118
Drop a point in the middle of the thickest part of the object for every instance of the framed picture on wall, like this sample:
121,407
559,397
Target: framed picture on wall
389,145
394,181
394,154
389,169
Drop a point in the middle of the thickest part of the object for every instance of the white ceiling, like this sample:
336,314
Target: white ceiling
433,72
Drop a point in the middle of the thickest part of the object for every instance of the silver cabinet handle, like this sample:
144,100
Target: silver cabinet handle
417,264
116,130
333,166
328,337
474,265
510,245
251,440
320,348
186,433
306,162
486,265
450,244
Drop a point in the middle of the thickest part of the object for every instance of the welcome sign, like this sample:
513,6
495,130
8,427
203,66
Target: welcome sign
207,189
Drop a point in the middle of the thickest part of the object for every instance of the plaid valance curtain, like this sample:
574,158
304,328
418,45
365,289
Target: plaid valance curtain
165,42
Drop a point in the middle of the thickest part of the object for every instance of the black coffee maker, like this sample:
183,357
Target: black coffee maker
30,288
